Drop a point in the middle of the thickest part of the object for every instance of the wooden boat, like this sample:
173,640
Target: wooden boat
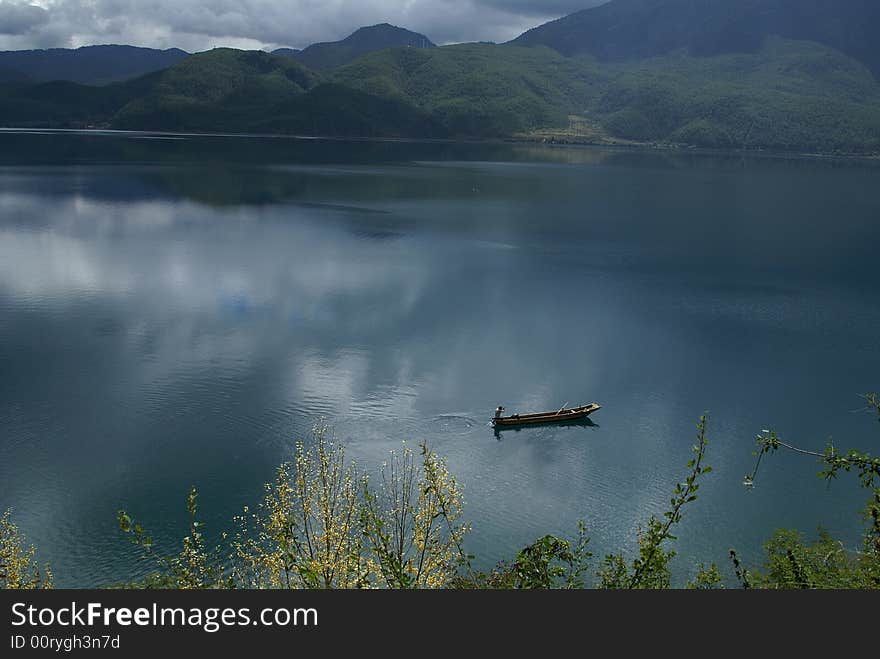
564,414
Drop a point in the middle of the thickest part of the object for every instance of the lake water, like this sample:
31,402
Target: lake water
181,311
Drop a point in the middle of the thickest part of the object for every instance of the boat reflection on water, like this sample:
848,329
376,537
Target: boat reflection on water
511,430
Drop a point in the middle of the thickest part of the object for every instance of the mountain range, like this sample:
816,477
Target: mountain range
99,65
796,75
92,65
634,29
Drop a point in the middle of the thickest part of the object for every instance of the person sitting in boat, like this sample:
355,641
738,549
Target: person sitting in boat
498,411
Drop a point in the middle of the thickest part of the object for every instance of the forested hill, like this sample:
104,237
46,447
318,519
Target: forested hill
329,55
222,90
787,96
637,29
93,65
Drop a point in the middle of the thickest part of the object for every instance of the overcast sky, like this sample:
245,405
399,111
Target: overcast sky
201,24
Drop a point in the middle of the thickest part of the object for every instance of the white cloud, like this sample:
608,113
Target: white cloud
201,24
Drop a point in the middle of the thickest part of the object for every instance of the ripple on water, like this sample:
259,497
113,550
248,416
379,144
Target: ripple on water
454,424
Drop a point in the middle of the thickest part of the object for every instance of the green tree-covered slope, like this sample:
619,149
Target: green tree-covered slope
480,90
219,90
786,95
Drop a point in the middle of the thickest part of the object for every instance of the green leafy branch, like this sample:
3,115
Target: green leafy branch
194,567
824,564
867,466
651,568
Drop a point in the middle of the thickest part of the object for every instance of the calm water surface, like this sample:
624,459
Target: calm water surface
181,311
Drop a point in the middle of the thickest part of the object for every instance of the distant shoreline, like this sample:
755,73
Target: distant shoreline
653,147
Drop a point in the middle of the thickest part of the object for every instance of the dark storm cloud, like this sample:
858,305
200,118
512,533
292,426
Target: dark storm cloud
18,18
201,24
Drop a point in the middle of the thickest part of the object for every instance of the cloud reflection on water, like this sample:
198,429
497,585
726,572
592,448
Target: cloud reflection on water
168,325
